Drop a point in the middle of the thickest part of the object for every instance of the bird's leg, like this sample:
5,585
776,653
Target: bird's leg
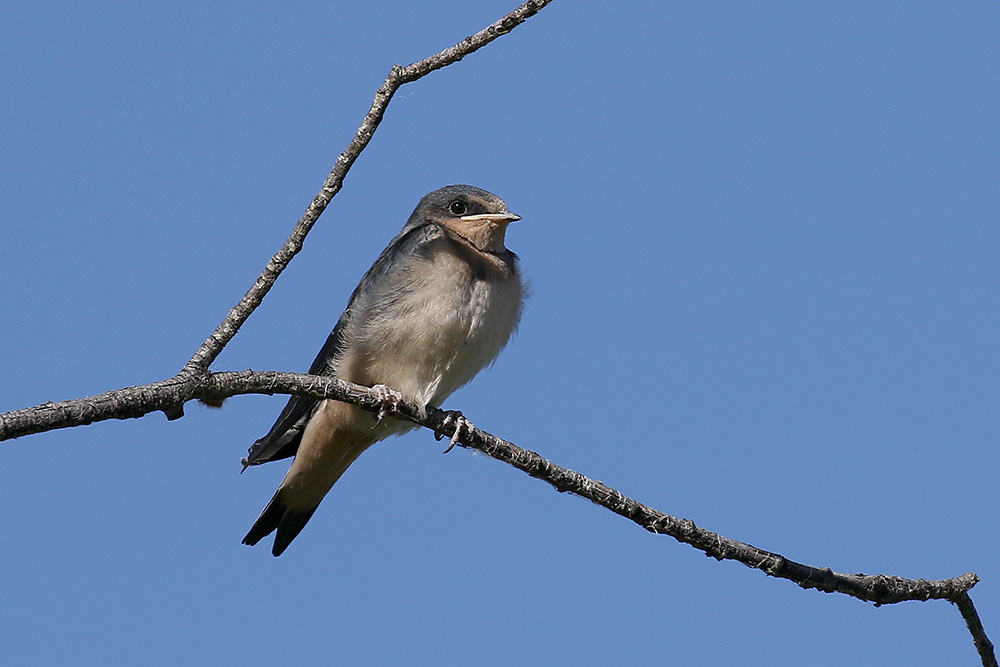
389,399
461,425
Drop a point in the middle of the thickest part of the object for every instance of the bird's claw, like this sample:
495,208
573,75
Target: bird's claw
389,400
461,425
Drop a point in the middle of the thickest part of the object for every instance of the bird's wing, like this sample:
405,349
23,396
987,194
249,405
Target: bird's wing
282,441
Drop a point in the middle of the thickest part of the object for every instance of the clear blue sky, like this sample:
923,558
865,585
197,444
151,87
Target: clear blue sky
764,243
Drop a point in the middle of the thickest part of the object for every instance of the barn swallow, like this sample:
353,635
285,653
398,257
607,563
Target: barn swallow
436,307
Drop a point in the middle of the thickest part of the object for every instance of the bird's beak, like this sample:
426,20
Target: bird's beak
492,217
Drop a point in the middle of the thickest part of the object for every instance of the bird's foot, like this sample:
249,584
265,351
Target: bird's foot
462,425
389,399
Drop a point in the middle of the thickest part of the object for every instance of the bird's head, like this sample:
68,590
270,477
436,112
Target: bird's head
478,216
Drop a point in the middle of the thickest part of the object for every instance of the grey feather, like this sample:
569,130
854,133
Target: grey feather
282,441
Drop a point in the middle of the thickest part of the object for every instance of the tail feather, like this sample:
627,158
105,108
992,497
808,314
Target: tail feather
326,451
288,521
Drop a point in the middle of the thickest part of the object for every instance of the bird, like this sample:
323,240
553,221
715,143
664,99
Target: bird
437,306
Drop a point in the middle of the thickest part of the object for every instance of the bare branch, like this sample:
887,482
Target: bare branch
171,394
880,589
971,616
398,76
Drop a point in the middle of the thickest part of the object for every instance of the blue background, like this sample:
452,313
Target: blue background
763,240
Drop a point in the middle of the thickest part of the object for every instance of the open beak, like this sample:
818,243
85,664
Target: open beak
492,217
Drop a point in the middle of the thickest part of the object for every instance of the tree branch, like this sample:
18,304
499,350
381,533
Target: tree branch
398,76
172,393
983,644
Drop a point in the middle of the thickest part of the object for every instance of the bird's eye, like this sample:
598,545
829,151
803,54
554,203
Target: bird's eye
458,208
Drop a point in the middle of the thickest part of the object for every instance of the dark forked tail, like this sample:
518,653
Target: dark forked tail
277,515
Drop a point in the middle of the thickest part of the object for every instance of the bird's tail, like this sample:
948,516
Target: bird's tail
288,521
312,474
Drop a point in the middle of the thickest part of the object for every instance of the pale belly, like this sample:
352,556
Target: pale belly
436,349
438,337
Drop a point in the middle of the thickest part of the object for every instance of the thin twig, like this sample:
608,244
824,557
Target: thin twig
398,76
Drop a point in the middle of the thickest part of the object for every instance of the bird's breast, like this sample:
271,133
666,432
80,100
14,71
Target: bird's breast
448,319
